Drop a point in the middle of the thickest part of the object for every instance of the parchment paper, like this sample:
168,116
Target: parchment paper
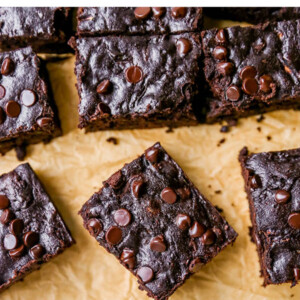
73,167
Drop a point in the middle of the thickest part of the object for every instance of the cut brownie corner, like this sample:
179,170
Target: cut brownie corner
156,222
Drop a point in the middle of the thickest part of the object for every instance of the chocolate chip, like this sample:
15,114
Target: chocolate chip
112,140
220,53
103,108
2,116
28,97
183,46
208,238
136,187
250,86
183,221
196,230
37,251
113,235
122,217
2,91
255,182
128,258
184,193
16,226
16,253
282,196
6,216
12,108
248,72
195,265
4,202
265,83
168,195
297,274
116,180
152,155
294,220
142,12
158,244
10,242
233,93
225,68
158,11
134,74
220,36
94,227
44,122
178,12
145,274
103,87
30,239
7,66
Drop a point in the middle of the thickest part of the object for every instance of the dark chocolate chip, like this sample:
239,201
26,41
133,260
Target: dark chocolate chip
282,196
183,221
12,108
184,193
30,239
255,182
28,97
113,235
104,108
10,242
37,251
122,217
4,202
136,187
248,72
297,274
158,244
225,68
196,230
158,11
233,93
208,238
178,12
134,74
6,216
142,12
195,265
294,220
220,53
128,258
152,155
183,46
44,122
2,116
94,227
265,83
116,180
2,91
220,36
145,274
16,253
250,86
168,195
103,87
16,226
7,66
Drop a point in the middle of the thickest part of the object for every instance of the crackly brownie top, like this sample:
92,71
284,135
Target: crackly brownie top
274,186
137,75
24,101
248,65
31,229
140,20
151,217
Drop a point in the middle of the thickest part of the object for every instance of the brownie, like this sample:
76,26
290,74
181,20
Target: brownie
27,111
253,15
156,222
31,229
251,70
94,21
46,29
272,183
137,81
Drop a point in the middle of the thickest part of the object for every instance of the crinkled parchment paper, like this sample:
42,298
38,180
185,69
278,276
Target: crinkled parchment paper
72,168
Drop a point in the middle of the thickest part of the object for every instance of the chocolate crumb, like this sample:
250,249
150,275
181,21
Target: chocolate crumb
220,210
221,141
260,118
232,122
112,140
269,138
224,129
20,152
218,192
258,129
169,130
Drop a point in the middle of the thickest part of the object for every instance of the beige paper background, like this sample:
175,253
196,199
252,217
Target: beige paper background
73,166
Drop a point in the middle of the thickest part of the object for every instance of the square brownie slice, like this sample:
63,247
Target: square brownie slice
28,113
156,222
251,70
95,21
137,81
46,29
31,230
272,183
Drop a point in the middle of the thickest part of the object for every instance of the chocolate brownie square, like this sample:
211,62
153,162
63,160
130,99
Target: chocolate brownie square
156,222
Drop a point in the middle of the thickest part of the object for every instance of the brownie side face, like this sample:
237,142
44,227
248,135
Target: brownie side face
93,21
27,111
156,222
252,69
137,82
31,229
272,183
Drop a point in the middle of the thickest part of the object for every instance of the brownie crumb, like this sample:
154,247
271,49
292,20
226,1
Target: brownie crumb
221,141
219,209
260,118
218,192
21,152
224,129
169,130
112,140
258,129
269,138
